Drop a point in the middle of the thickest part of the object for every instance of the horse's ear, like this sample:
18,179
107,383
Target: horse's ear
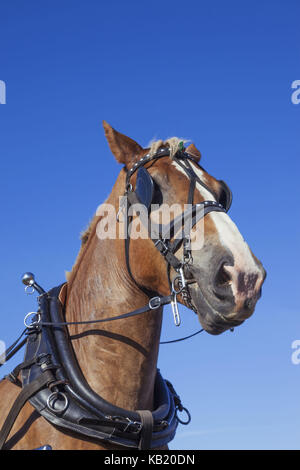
194,152
124,149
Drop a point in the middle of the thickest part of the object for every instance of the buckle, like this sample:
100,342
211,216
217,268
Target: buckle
154,303
161,246
13,379
132,426
127,424
35,320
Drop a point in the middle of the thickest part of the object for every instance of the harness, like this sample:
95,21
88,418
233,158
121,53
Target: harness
51,379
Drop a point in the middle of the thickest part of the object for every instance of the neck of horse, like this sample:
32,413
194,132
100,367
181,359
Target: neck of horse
118,358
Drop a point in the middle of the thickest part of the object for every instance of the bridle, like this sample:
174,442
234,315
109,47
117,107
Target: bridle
143,194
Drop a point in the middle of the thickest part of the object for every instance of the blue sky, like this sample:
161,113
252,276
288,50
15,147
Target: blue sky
219,73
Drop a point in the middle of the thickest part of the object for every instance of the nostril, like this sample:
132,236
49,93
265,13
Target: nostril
249,304
222,284
223,277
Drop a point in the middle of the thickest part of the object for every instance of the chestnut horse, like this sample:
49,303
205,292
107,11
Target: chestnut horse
119,361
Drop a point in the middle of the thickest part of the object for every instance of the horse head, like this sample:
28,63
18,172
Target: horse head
223,276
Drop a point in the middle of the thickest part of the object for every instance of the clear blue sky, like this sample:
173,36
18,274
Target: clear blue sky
219,73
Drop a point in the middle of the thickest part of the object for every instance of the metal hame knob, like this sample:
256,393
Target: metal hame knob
29,280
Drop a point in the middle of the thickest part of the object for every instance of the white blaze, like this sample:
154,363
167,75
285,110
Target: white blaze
229,236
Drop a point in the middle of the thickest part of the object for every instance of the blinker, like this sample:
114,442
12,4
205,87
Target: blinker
226,196
144,187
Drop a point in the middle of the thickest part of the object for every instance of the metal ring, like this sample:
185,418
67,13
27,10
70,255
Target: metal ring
34,323
177,278
52,399
188,259
29,292
157,303
187,413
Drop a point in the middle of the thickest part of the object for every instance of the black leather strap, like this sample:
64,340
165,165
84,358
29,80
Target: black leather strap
147,429
161,301
27,392
13,349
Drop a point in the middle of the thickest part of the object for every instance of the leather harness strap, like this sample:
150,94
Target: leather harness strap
26,392
147,429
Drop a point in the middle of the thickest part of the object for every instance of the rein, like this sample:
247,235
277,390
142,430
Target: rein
154,304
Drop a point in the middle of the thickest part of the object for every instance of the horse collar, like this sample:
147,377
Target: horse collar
57,389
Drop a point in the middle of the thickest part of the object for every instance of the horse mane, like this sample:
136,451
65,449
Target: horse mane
84,237
173,143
